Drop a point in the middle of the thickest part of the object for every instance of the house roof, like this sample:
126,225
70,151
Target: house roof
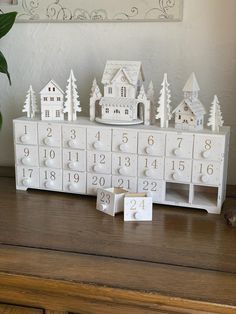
195,106
132,70
54,84
191,84
118,102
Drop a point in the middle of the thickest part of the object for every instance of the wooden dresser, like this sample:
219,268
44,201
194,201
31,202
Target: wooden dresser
59,255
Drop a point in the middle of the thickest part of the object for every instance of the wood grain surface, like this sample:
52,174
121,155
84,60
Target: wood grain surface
10,309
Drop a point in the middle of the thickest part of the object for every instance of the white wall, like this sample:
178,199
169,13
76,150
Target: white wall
204,42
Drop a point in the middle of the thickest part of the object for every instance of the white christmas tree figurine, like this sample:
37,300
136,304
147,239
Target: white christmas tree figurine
95,95
215,120
72,103
142,94
164,109
30,106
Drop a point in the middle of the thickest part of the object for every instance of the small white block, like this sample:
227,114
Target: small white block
137,207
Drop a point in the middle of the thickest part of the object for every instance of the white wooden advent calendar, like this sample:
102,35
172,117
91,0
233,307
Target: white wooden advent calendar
178,167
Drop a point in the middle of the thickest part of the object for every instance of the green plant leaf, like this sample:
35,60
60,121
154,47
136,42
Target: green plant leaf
6,22
0,120
4,67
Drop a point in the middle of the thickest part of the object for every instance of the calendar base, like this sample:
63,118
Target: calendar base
119,122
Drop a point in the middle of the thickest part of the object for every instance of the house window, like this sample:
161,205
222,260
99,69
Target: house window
123,91
109,90
117,111
58,113
179,117
126,111
49,89
53,89
58,98
51,98
107,110
45,98
47,113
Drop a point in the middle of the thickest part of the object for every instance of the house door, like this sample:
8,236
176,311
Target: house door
116,114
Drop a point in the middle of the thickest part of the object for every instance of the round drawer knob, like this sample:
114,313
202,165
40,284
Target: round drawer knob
204,178
148,173
177,152
49,184
72,187
25,139
138,216
102,207
73,165
176,176
48,141
26,161
124,147
97,168
72,143
149,150
49,162
123,171
206,154
97,145
26,182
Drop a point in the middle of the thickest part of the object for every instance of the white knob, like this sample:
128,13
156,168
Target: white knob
138,216
176,176
48,141
97,145
25,138
204,178
102,207
49,184
206,154
26,161
123,170
177,152
48,162
124,147
72,143
26,182
72,187
148,173
149,150
97,168
73,165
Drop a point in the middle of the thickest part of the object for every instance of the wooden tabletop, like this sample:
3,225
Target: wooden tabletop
183,258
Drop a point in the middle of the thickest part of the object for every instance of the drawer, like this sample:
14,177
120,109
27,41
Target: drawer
179,145
124,164
27,177
51,179
127,183
124,141
207,172
99,139
154,188
151,144
178,170
49,134
27,155
74,160
74,182
151,167
74,137
209,147
26,133
50,157
99,162
95,181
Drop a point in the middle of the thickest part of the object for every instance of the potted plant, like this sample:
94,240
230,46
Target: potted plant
6,22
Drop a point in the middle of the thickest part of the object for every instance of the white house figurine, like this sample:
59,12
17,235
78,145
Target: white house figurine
190,112
215,120
30,106
125,101
137,207
52,101
110,201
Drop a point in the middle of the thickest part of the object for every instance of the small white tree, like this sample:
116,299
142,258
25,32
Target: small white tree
151,93
164,109
30,106
142,94
215,119
72,103
94,96
152,97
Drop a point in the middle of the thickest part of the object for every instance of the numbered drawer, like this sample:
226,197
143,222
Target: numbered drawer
74,160
177,170
74,137
151,144
124,164
51,179
99,162
74,182
207,172
209,147
127,183
26,155
27,177
179,145
151,167
50,157
95,181
49,134
154,188
26,133
99,139
124,141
